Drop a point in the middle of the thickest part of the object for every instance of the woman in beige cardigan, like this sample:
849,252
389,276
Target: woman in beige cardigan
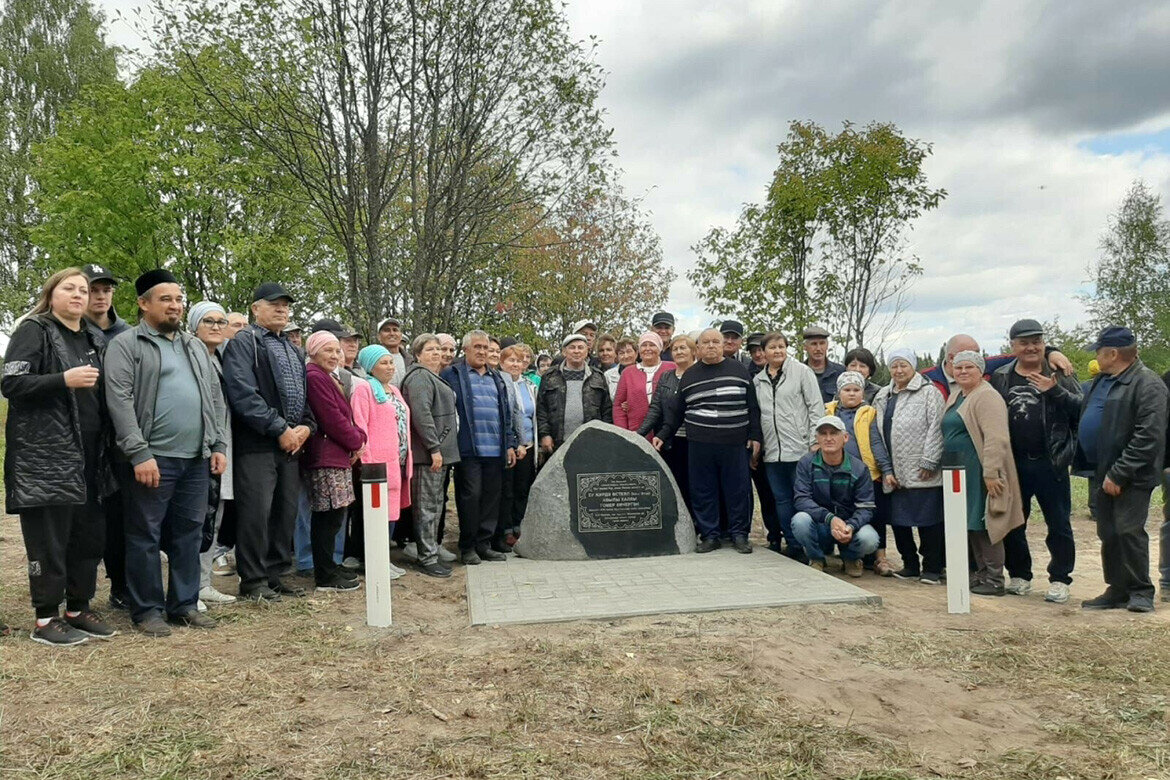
975,434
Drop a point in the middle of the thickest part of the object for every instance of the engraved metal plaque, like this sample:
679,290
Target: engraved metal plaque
619,501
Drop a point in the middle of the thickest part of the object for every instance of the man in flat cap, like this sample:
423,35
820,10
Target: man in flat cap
570,395
266,387
816,352
164,400
1121,440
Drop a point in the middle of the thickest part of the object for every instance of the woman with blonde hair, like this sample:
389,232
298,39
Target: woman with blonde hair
684,351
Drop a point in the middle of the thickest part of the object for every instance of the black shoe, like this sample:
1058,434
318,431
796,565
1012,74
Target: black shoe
987,589
742,545
908,574
797,554
154,626
502,547
435,570
775,547
708,545
930,578
469,558
119,601
338,582
1105,601
488,554
293,591
259,593
193,619
91,623
1140,603
58,633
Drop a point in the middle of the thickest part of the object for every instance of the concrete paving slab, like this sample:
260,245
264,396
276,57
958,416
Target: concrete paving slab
528,591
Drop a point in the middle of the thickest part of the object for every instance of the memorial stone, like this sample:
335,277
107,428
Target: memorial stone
605,493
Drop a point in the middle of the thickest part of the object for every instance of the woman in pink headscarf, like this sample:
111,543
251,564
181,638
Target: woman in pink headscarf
637,384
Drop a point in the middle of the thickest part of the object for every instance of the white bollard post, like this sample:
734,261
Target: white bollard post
375,521
955,528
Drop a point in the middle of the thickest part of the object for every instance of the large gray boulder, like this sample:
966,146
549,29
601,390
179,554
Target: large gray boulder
605,493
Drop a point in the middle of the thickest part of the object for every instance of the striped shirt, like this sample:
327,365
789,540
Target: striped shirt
717,404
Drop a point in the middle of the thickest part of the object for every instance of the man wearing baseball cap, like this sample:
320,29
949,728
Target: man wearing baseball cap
662,323
732,331
1121,441
1043,409
390,337
816,351
267,390
834,501
100,309
571,395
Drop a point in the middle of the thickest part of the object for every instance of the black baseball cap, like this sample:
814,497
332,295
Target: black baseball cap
1112,336
755,340
98,273
1024,328
334,327
662,318
732,326
272,291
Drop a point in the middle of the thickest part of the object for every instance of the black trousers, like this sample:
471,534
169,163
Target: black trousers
354,519
1125,545
514,494
114,556
678,461
64,544
267,489
477,499
1054,494
323,530
931,543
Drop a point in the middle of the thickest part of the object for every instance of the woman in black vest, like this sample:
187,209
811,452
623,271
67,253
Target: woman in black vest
55,471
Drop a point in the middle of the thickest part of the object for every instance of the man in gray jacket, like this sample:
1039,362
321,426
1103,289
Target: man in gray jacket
156,376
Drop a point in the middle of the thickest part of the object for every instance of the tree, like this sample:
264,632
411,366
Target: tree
1132,274
49,51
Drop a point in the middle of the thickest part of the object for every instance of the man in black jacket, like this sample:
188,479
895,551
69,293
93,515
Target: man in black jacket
1121,441
1164,547
571,395
1043,410
266,387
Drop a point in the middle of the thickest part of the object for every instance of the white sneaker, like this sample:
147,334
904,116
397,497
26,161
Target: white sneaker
396,571
223,566
199,605
1057,593
410,551
446,556
212,596
1017,586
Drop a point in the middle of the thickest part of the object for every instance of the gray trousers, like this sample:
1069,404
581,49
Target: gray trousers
427,492
988,559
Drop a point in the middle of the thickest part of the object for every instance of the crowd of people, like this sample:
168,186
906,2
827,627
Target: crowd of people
232,444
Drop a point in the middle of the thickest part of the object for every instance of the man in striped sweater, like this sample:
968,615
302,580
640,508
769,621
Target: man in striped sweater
716,402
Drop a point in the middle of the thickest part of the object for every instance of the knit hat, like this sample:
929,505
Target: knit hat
970,356
902,353
319,339
848,378
200,310
652,337
150,279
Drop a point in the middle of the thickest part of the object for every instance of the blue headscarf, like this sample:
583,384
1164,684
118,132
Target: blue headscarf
368,358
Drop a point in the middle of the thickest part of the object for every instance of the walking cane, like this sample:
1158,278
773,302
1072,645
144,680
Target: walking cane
376,524
955,528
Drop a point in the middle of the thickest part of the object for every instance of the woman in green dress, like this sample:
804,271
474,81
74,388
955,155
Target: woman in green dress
975,435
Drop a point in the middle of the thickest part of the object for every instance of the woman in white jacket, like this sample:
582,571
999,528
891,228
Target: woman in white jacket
790,404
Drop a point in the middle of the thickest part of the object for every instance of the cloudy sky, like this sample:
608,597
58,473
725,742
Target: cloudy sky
1041,114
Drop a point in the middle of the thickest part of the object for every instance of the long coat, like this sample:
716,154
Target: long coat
915,441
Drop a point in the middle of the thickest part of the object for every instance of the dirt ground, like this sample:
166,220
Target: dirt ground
1018,689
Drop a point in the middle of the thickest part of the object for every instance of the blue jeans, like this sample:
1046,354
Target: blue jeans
169,517
782,479
817,539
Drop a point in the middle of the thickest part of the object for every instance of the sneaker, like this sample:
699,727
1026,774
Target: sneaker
445,555
259,593
119,601
223,565
92,624
200,606
410,551
1057,593
817,563
908,574
351,563
1105,601
987,589
396,571
154,626
58,633
1018,586
882,567
469,558
210,595
929,578
295,591
854,568
742,545
193,619
435,570
337,584
488,554
707,545
1140,603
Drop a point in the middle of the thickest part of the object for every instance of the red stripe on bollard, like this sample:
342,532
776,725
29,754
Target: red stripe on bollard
956,484
376,495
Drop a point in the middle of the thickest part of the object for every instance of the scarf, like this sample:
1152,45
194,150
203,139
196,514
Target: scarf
367,359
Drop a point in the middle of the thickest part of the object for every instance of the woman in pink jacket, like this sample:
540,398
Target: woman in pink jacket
380,410
637,383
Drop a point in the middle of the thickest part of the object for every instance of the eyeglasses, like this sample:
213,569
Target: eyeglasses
211,323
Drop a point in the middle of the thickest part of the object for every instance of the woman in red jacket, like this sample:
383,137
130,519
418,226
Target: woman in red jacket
637,384
329,455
